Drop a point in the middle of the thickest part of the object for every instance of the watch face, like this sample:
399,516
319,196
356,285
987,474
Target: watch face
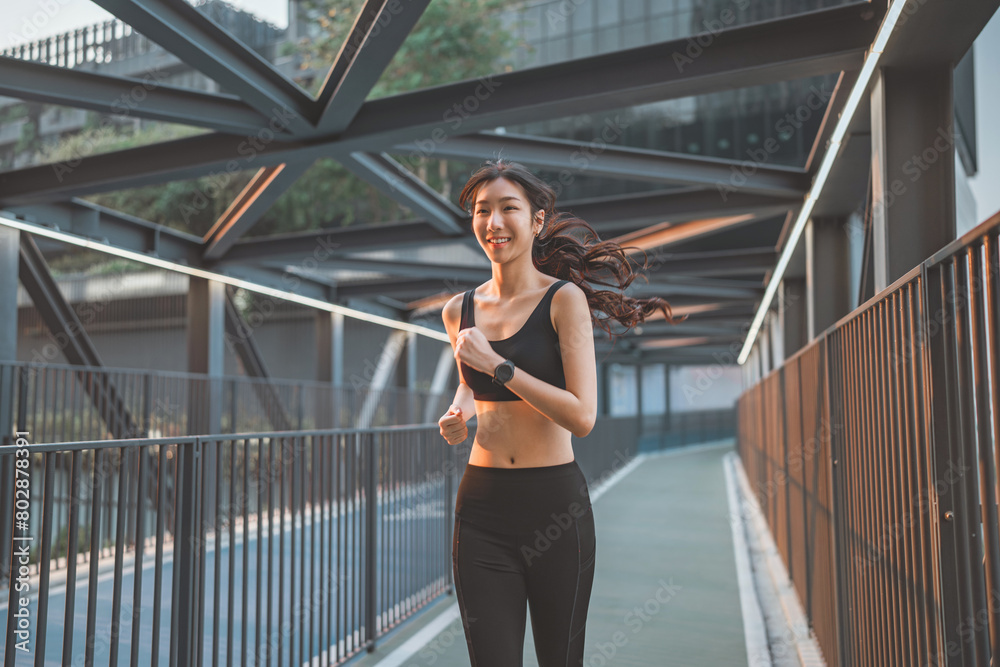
505,371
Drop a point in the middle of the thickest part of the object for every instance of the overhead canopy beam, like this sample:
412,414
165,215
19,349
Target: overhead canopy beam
267,185
634,164
719,263
623,213
327,243
799,46
116,96
379,30
118,231
794,47
398,183
197,40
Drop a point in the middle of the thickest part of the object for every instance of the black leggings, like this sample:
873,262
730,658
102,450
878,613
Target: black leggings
524,535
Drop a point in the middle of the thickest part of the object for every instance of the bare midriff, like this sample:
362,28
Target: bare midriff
512,434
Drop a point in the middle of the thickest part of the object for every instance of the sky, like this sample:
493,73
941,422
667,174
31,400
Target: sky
27,20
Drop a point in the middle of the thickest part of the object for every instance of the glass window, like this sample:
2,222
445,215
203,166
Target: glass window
558,49
582,17
608,39
607,14
634,10
634,34
583,45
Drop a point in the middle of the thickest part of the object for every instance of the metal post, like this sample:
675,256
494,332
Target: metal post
913,166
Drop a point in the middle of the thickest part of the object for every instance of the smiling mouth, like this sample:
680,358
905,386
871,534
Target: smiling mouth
499,242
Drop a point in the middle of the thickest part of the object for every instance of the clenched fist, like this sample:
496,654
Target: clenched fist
453,426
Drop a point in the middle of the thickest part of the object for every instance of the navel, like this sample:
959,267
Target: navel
512,459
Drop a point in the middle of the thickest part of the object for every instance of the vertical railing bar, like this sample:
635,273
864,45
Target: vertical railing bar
371,538
900,488
217,558
140,545
907,563
281,556
991,326
888,487
867,518
972,523
312,543
858,627
71,553
116,596
270,545
318,443
979,347
95,539
917,469
42,608
260,546
882,438
244,502
301,487
161,493
231,575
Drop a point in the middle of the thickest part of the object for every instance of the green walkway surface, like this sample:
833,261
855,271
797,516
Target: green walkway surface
665,589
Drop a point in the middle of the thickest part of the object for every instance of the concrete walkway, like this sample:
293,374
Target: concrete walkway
665,590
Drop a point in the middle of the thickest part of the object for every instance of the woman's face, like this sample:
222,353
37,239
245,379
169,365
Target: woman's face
501,211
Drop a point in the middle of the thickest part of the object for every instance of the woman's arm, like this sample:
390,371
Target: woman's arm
575,407
451,315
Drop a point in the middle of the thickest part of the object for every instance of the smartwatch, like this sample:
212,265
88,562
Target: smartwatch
503,372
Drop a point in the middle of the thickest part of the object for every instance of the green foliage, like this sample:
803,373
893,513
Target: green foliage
452,40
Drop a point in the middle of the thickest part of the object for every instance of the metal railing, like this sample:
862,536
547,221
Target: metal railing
873,453
115,40
678,429
252,548
63,403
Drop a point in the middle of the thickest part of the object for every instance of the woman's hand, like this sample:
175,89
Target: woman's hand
472,349
453,426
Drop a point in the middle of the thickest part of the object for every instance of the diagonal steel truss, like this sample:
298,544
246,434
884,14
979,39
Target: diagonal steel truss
339,123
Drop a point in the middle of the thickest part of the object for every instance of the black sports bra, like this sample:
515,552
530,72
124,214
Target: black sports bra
534,349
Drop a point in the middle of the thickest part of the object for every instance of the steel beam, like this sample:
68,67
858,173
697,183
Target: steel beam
721,263
398,183
239,336
206,304
324,244
799,46
828,280
380,29
444,273
634,164
627,212
76,346
121,97
267,185
200,42
913,167
795,47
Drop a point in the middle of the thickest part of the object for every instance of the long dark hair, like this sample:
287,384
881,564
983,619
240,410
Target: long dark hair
557,252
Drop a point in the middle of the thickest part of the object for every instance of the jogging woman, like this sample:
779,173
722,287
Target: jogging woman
524,345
